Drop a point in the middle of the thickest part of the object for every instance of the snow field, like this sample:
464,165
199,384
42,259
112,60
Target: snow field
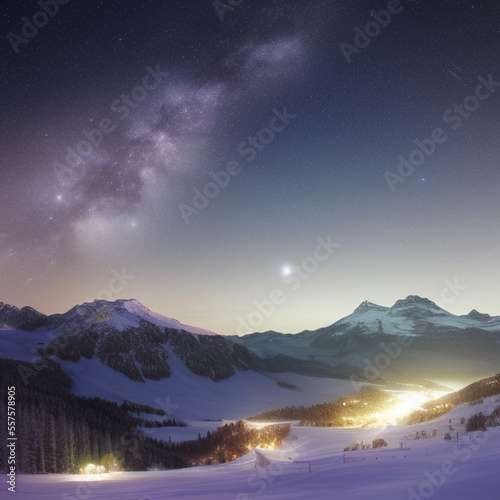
433,468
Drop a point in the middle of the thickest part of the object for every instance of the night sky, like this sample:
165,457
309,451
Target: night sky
246,169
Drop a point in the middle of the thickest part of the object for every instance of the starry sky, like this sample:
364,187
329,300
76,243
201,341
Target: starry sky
250,165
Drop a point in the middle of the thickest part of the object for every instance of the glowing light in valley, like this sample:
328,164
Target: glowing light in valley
268,446
94,472
407,402
90,469
404,404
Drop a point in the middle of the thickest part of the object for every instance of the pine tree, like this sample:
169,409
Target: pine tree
61,442
50,444
72,462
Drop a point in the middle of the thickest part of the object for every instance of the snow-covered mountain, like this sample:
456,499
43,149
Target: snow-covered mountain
24,319
413,341
123,351
127,337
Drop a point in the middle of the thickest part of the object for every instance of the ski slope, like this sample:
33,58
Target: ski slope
188,396
183,395
432,467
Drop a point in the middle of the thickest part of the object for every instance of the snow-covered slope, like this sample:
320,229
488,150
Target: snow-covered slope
187,396
183,394
139,310
123,351
121,314
128,338
445,470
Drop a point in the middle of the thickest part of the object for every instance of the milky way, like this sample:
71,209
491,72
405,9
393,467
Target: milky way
115,116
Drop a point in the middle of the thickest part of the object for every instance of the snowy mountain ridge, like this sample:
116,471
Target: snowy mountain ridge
133,348
120,314
409,316
443,346
121,350
26,318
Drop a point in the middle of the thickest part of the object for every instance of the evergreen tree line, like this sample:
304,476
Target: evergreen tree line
481,422
282,414
58,432
229,442
170,422
344,412
474,392
428,411
140,408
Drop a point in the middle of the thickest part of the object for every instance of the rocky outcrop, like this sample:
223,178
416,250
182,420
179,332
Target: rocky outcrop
209,356
26,318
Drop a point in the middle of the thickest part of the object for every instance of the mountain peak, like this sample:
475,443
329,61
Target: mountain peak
127,312
414,300
368,306
25,318
477,315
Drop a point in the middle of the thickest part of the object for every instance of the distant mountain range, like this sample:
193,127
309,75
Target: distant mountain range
112,349
414,341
